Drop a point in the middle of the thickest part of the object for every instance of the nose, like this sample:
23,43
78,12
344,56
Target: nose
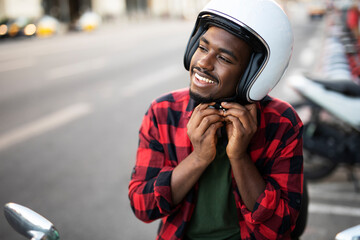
206,61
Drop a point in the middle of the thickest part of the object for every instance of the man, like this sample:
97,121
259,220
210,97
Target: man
222,160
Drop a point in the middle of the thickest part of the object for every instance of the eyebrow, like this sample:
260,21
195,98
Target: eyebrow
224,50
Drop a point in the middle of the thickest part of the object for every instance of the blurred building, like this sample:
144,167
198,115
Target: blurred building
70,10
20,8
176,8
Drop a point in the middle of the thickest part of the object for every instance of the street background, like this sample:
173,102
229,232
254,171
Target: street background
70,109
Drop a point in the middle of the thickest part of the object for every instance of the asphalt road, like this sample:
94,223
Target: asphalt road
70,109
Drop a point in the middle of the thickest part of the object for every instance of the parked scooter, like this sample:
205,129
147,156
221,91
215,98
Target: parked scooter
331,115
330,108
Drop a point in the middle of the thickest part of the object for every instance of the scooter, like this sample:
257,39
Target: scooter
35,227
330,108
331,115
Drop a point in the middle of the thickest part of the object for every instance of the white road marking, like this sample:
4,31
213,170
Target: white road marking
44,124
75,111
77,68
334,209
143,83
16,64
335,195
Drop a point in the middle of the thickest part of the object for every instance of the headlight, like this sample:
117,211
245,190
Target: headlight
13,30
30,29
3,29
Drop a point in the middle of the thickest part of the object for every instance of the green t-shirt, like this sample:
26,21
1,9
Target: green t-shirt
215,214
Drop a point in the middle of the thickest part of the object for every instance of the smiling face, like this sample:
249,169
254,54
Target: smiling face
217,65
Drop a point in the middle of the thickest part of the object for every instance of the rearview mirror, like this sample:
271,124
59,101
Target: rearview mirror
29,223
352,233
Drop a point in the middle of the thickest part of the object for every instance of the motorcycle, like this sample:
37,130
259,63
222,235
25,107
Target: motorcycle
330,108
331,115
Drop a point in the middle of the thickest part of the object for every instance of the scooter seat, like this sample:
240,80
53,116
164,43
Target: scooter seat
347,88
340,105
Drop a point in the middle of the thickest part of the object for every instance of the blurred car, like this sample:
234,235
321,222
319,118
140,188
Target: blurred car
316,9
19,27
89,21
47,26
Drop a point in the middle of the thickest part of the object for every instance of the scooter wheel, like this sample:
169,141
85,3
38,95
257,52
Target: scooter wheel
317,167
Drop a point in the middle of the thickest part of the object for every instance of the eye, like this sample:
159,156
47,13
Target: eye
202,48
224,59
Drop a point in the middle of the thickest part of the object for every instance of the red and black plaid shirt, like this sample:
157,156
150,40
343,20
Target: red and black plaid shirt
276,150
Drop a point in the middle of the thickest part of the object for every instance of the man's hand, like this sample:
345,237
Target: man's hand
241,125
202,128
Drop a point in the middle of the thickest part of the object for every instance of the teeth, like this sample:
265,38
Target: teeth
203,78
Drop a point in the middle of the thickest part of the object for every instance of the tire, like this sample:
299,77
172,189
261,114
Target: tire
317,167
317,164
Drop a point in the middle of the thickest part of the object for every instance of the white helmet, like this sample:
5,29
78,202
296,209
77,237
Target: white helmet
264,26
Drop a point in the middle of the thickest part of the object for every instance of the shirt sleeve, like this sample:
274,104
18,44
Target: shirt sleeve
277,208
149,187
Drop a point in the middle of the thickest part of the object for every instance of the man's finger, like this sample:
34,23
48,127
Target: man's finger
253,111
198,114
208,121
